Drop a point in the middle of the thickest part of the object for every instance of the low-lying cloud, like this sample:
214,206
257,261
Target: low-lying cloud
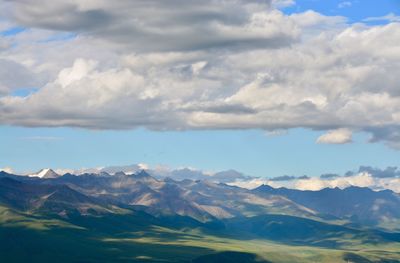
374,178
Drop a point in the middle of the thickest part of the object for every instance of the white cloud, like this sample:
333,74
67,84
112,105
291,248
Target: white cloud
340,136
214,65
276,133
360,180
251,184
391,17
363,179
283,3
345,4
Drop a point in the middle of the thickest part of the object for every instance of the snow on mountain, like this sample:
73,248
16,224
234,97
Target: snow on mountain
45,173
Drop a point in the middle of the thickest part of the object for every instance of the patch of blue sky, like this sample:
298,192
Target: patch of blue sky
248,151
24,92
60,37
354,10
12,31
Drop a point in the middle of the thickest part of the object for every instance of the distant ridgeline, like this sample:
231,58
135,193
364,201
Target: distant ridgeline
137,218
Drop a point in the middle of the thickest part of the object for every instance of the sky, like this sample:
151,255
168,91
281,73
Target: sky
268,88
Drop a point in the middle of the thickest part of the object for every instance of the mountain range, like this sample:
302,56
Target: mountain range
137,209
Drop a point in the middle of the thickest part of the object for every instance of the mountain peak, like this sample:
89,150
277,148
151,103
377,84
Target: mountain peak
45,173
119,174
264,187
142,174
3,173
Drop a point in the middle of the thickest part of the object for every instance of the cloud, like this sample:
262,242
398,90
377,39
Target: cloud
391,17
389,172
276,133
13,76
366,176
229,176
155,25
329,176
345,4
283,3
128,169
209,65
361,179
340,136
288,178
251,184
389,135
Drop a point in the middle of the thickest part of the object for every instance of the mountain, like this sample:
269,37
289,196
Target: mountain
201,199
301,231
228,176
45,173
224,201
206,200
138,218
41,198
357,204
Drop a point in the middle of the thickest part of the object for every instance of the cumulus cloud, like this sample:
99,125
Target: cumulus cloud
340,136
155,25
209,65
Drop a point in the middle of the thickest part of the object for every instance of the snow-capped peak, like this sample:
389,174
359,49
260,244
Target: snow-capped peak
45,173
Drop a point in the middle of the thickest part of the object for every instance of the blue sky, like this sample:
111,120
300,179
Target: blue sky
251,151
354,10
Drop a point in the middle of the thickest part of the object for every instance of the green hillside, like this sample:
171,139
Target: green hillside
138,237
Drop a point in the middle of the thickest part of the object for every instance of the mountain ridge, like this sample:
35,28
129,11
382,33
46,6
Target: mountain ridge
207,200
146,213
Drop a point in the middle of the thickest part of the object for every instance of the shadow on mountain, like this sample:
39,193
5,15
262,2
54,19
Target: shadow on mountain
231,257
294,230
70,245
350,257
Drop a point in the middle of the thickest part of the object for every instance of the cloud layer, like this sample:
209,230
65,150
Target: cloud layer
210,65
373,178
